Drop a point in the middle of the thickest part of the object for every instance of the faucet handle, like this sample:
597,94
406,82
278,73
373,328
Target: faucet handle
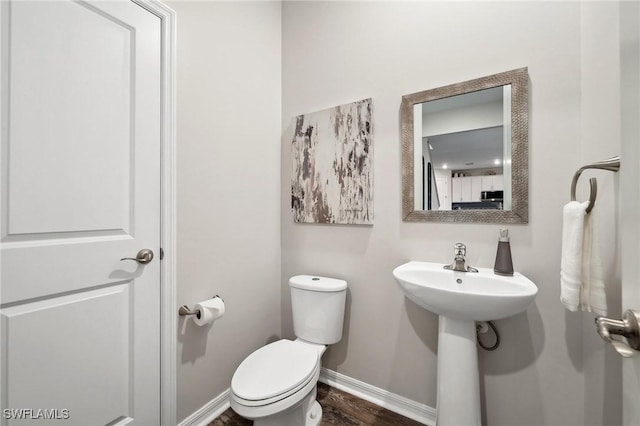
460,249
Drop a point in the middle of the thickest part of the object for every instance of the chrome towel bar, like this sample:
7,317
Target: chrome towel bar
612,164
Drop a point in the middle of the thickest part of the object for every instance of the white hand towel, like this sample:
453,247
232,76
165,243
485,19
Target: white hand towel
571,263
593,297
581,273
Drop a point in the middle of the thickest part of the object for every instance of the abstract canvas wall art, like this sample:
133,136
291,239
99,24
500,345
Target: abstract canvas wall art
332,152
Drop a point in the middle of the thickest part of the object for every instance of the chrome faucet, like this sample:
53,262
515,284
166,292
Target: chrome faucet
460,261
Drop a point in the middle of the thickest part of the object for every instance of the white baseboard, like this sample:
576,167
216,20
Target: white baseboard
398,404
209,411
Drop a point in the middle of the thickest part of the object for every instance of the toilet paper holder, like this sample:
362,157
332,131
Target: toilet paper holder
185,311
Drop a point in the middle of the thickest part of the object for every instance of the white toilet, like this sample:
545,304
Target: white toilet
276,385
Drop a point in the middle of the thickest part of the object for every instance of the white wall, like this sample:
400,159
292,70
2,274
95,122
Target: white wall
461,119
228,141
336,52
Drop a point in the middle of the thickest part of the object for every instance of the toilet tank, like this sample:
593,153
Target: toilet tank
317,304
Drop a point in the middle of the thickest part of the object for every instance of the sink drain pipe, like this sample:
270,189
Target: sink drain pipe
482,327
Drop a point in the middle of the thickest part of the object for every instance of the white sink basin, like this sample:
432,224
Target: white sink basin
481,296
460,299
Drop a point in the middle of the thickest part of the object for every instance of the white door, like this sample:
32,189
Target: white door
476,188
80,186
444,193
465,190
456,190
630,195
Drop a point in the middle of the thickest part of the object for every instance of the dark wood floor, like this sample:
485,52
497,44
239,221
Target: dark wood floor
338,408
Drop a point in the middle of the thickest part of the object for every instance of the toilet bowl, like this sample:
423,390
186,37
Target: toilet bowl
276,384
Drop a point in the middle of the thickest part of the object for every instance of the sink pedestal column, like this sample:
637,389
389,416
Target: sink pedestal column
458,384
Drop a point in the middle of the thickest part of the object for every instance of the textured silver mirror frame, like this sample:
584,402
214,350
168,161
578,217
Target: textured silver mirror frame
519,213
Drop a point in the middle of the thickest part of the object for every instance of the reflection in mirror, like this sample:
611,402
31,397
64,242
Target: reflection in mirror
465,150
463,147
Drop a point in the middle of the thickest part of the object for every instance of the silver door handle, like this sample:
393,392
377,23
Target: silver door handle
143,257
628,327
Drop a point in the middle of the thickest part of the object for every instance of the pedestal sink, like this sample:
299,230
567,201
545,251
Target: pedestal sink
460,299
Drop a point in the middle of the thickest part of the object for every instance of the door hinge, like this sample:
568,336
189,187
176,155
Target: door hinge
161,253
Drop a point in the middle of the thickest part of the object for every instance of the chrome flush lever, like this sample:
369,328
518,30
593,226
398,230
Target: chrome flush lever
628,327
143,257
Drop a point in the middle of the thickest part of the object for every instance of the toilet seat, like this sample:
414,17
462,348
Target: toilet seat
274,372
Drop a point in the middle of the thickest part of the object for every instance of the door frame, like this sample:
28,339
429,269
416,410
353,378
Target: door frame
168,318
630,196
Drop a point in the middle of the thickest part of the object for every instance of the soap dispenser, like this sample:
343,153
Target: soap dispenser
504,263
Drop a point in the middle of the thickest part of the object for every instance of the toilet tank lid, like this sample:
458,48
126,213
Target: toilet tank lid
316,283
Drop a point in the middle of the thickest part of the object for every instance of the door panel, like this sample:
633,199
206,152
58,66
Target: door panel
91,81
73,366
80,184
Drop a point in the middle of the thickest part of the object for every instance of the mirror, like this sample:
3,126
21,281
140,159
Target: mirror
465,151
